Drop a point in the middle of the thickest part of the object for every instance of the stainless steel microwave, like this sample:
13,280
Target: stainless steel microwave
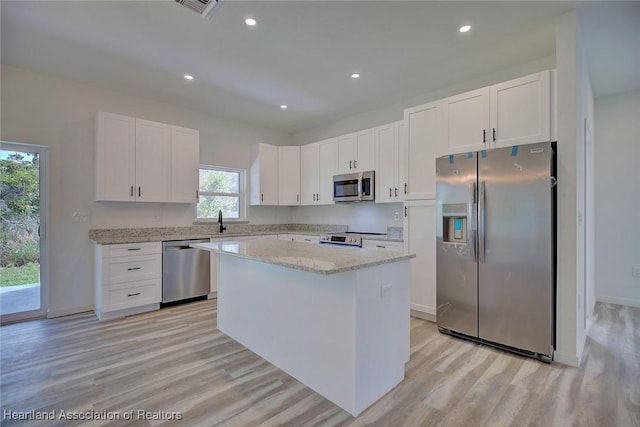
354,187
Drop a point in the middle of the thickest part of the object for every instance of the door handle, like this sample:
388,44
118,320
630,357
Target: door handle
472,226
133,269
360,192
405,211
262,197
132,191
133,295
484,136
389,191
494,134
134,249
405,188
482,222
396,190
350,161
354,164
139,191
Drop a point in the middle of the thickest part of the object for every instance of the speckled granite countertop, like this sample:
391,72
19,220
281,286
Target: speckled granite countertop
321,259
159,234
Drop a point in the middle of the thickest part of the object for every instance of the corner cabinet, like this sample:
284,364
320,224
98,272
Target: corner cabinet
289,176
511,113
144,161
264,175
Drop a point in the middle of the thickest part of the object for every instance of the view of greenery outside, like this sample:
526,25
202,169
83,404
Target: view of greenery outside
219,191
19,219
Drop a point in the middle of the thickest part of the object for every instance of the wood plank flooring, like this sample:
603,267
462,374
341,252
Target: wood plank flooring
176,360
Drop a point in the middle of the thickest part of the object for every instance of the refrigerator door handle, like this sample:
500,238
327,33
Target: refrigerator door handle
472,223
482,223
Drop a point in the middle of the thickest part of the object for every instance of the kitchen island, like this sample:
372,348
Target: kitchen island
334,318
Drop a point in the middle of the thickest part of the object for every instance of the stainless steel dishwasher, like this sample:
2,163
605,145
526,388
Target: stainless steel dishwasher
185,270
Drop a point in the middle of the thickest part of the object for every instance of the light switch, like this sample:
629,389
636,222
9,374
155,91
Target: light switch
81,217
385,291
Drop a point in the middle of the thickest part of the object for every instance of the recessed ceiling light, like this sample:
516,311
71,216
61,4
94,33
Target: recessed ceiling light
465,28
188,77
355,76
250,22
284,107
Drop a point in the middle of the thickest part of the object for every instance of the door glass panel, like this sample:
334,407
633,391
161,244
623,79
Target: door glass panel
19,232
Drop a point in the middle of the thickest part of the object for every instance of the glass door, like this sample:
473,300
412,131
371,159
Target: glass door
23,237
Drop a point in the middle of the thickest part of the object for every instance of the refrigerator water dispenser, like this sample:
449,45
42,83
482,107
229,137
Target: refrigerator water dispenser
454,229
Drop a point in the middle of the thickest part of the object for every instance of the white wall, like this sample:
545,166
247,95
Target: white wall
60,114
617,200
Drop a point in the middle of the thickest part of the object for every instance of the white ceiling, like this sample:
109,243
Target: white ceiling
301,53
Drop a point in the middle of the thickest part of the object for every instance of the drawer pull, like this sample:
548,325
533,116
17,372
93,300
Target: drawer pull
133,295
133,268
380,246
134,249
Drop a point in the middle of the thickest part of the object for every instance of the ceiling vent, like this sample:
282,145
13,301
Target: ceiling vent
206,8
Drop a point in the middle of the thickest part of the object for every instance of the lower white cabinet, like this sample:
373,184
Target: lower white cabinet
420,239
128,279
383,244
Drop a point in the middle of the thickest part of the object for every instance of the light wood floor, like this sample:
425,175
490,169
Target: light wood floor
175,360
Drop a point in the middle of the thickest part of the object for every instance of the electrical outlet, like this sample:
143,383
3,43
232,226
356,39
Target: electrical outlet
396,216
80,217
635,271
385,291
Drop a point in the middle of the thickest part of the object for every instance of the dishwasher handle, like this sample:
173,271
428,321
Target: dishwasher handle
177,248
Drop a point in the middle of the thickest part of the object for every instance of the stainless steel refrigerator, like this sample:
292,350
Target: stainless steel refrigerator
495,236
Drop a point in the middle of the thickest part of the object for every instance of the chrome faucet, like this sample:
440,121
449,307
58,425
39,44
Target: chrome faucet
222,228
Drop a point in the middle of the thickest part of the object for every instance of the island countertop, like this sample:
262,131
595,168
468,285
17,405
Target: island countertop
315,258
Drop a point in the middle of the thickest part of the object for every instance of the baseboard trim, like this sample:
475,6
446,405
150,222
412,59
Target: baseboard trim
68,311
423,315
566,359
617,300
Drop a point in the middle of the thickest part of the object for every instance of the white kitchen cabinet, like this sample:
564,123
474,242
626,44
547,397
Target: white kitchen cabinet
128,279
289,176
327,168
383,244
420,239
521,110
420,148
356,152
466,121
309,174
144,161
185,164
511,113
387,155
264,175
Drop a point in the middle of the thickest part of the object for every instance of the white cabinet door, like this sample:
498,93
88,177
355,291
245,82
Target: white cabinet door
152,151
466,118
264,175
327,168
289,176
383,244
521,110
364,151
115,157
346,153
185,164
423,145
386,143
309,174
420,239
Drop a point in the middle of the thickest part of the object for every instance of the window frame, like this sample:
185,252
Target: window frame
242,195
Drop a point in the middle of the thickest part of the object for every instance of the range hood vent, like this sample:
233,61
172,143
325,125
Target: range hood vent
206,8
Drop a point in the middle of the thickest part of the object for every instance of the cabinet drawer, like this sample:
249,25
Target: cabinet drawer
129,269
132,249
127,295
381,244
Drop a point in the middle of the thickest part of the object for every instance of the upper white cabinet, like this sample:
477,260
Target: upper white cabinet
264,175
356,152
387,163
289,176
420,148
521,110
136,160
510,113
327,168
308,174
185,164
